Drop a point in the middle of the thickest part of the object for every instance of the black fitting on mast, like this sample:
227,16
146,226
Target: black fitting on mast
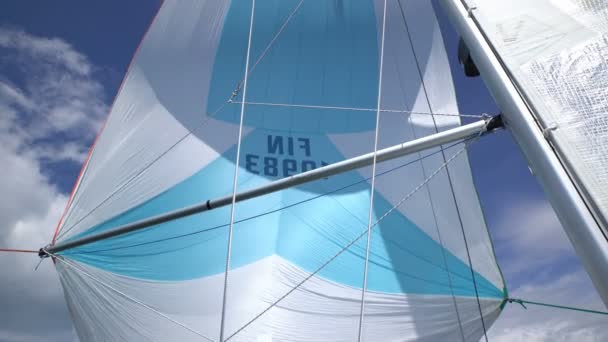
464,57
495,123
42,253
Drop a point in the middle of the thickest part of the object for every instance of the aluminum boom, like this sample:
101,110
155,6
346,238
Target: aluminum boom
476,128
576,218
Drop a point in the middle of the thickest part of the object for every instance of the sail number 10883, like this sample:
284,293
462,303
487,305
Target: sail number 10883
278,167
280,160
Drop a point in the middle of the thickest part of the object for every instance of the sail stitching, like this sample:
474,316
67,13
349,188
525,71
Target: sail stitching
73,266
350,244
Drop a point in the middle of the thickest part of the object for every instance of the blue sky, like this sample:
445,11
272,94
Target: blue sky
91,44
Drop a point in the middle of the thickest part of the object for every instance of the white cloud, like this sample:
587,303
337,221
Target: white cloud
539,264
14,96
50,108
54,91
549,324
531,237
53,51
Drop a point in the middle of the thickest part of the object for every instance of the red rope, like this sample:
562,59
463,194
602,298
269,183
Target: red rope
17,250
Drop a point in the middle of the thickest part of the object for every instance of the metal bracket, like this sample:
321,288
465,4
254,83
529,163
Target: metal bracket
470,11
494,122
42,253
547,131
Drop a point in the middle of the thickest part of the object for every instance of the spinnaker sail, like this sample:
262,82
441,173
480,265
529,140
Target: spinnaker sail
296,262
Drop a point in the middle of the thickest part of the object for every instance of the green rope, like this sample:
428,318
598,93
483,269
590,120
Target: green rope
523,302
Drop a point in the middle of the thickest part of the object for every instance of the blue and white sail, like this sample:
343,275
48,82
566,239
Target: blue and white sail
171,140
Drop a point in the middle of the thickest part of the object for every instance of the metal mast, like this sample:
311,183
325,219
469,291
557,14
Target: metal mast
577,219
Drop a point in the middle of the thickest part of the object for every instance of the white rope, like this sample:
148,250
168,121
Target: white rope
65,261
276,36
350,244
236,90
236,176
373,185
272,104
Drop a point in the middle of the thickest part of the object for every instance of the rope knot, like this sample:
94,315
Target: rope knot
518,301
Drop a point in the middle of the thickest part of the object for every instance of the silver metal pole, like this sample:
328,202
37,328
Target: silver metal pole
396,151
576,218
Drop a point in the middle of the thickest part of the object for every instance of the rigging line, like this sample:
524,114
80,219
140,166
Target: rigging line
428,101
443,251
440,238
272,104
263,54
373,185
564,307
350,244
14,250
441,242
73,266
209,116
236,174
276,36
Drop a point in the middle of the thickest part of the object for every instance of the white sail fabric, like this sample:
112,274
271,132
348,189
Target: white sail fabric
170,141
556,50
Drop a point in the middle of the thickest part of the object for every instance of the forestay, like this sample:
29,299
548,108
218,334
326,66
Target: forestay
556,51
171,141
